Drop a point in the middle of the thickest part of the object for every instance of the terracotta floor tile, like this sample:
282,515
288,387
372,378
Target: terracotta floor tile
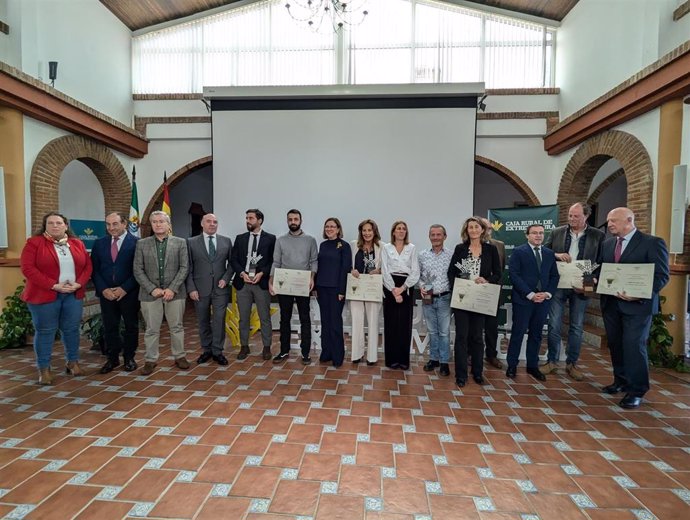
181,500
118,471
592,463
64,503
360,480
467,433
91,459
283,455
111,427
134,436
296,497
253,481
645,475
430,424
550,478
353,424
581,441
148,485
159,446
606,492
220,435
336,507
396,416
458,508
220,469
305,433
507,496
662,503
105,510
188,457
36,488
505,466
549,505
460,480
423,443
320,466
391,433
66,448
675,457
275,424
45,438
195,426
611,514
415,466
339,443
404,496
363,408
216,508
463,454
375,454
322,416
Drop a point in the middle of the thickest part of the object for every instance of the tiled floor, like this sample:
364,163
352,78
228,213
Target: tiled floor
259,441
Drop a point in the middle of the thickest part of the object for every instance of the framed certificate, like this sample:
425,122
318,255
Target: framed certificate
366,288
475,297
571,273
635,280
291,282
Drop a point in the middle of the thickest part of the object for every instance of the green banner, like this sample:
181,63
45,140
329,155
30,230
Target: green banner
509,226
88,231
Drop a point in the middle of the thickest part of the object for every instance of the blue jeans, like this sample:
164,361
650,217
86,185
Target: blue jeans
578,305
437,316
63,314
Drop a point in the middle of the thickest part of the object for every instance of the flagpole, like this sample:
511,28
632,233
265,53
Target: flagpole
133,224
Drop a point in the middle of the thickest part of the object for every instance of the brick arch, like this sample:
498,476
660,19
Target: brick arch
620,172
513,179
157,198
52,160
591,155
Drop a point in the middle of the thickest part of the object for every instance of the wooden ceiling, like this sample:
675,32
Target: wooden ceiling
137,14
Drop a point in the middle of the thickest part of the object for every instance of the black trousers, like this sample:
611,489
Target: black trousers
397,326
468,339
286,303
332,340
491,336
127,310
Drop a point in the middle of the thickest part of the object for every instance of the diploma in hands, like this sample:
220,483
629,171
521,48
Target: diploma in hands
635,280
291,282
571,273
475,297
366,288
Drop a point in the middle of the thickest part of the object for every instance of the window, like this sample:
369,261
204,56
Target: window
400,41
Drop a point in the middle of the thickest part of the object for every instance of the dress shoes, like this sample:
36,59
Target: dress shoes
630,402
130,365
266,353
244,352
204,357
371,363
613,388
494,362
478,379
182,363
444,370
220,359
109,366
536,374
460,382
355,361
511,372
148,368
430,365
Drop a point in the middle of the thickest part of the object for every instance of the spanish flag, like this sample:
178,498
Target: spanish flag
166,196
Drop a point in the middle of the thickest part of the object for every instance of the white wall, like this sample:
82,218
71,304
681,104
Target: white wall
601,43
92,48
76,180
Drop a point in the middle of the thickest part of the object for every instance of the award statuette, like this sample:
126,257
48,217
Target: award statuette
428,297
587,269
253,261
465,268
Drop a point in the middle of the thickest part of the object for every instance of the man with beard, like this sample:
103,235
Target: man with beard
294,250
251,260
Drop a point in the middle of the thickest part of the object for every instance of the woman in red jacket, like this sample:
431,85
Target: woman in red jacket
57,267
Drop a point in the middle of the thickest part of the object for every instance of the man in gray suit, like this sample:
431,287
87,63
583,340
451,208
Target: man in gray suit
208,286
160,267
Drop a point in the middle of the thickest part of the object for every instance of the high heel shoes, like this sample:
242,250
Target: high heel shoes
44,376
72,368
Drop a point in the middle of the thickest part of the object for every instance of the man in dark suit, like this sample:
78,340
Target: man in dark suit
574,241
491,322
208,286
628,320
252,257
534,276
112,257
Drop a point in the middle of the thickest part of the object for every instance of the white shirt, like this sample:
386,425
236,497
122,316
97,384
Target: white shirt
575,243
206,241
119,240
252,236
67,270
405,262
626,240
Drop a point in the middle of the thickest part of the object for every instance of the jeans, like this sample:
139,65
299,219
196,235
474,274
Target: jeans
437,316
578,305
63,314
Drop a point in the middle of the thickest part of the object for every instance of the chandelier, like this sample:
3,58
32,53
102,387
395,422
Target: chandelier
334,13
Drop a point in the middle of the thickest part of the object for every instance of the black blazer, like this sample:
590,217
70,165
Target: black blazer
106,273
238,257
642,249
489,269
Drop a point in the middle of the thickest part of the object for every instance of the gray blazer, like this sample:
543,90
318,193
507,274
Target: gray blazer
501,251
205,274
593,238
146,267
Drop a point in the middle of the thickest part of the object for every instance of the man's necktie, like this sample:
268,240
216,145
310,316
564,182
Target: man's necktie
113,249
619,249
211,248
253,244
537,255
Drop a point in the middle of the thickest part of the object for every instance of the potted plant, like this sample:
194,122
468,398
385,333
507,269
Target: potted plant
92,328
15,321
660,343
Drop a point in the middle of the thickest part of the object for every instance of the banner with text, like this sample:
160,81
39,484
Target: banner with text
509,226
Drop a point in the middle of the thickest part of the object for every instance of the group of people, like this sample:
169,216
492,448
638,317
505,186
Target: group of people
156,274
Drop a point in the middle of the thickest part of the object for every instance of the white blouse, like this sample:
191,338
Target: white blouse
67,270
405,262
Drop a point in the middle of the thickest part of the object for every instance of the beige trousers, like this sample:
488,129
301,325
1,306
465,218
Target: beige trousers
153,314
371,310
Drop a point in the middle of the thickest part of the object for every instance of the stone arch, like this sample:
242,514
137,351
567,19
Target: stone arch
510,176
56,155
591,155
156,200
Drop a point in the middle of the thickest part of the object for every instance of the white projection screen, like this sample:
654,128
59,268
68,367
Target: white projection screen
386,152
